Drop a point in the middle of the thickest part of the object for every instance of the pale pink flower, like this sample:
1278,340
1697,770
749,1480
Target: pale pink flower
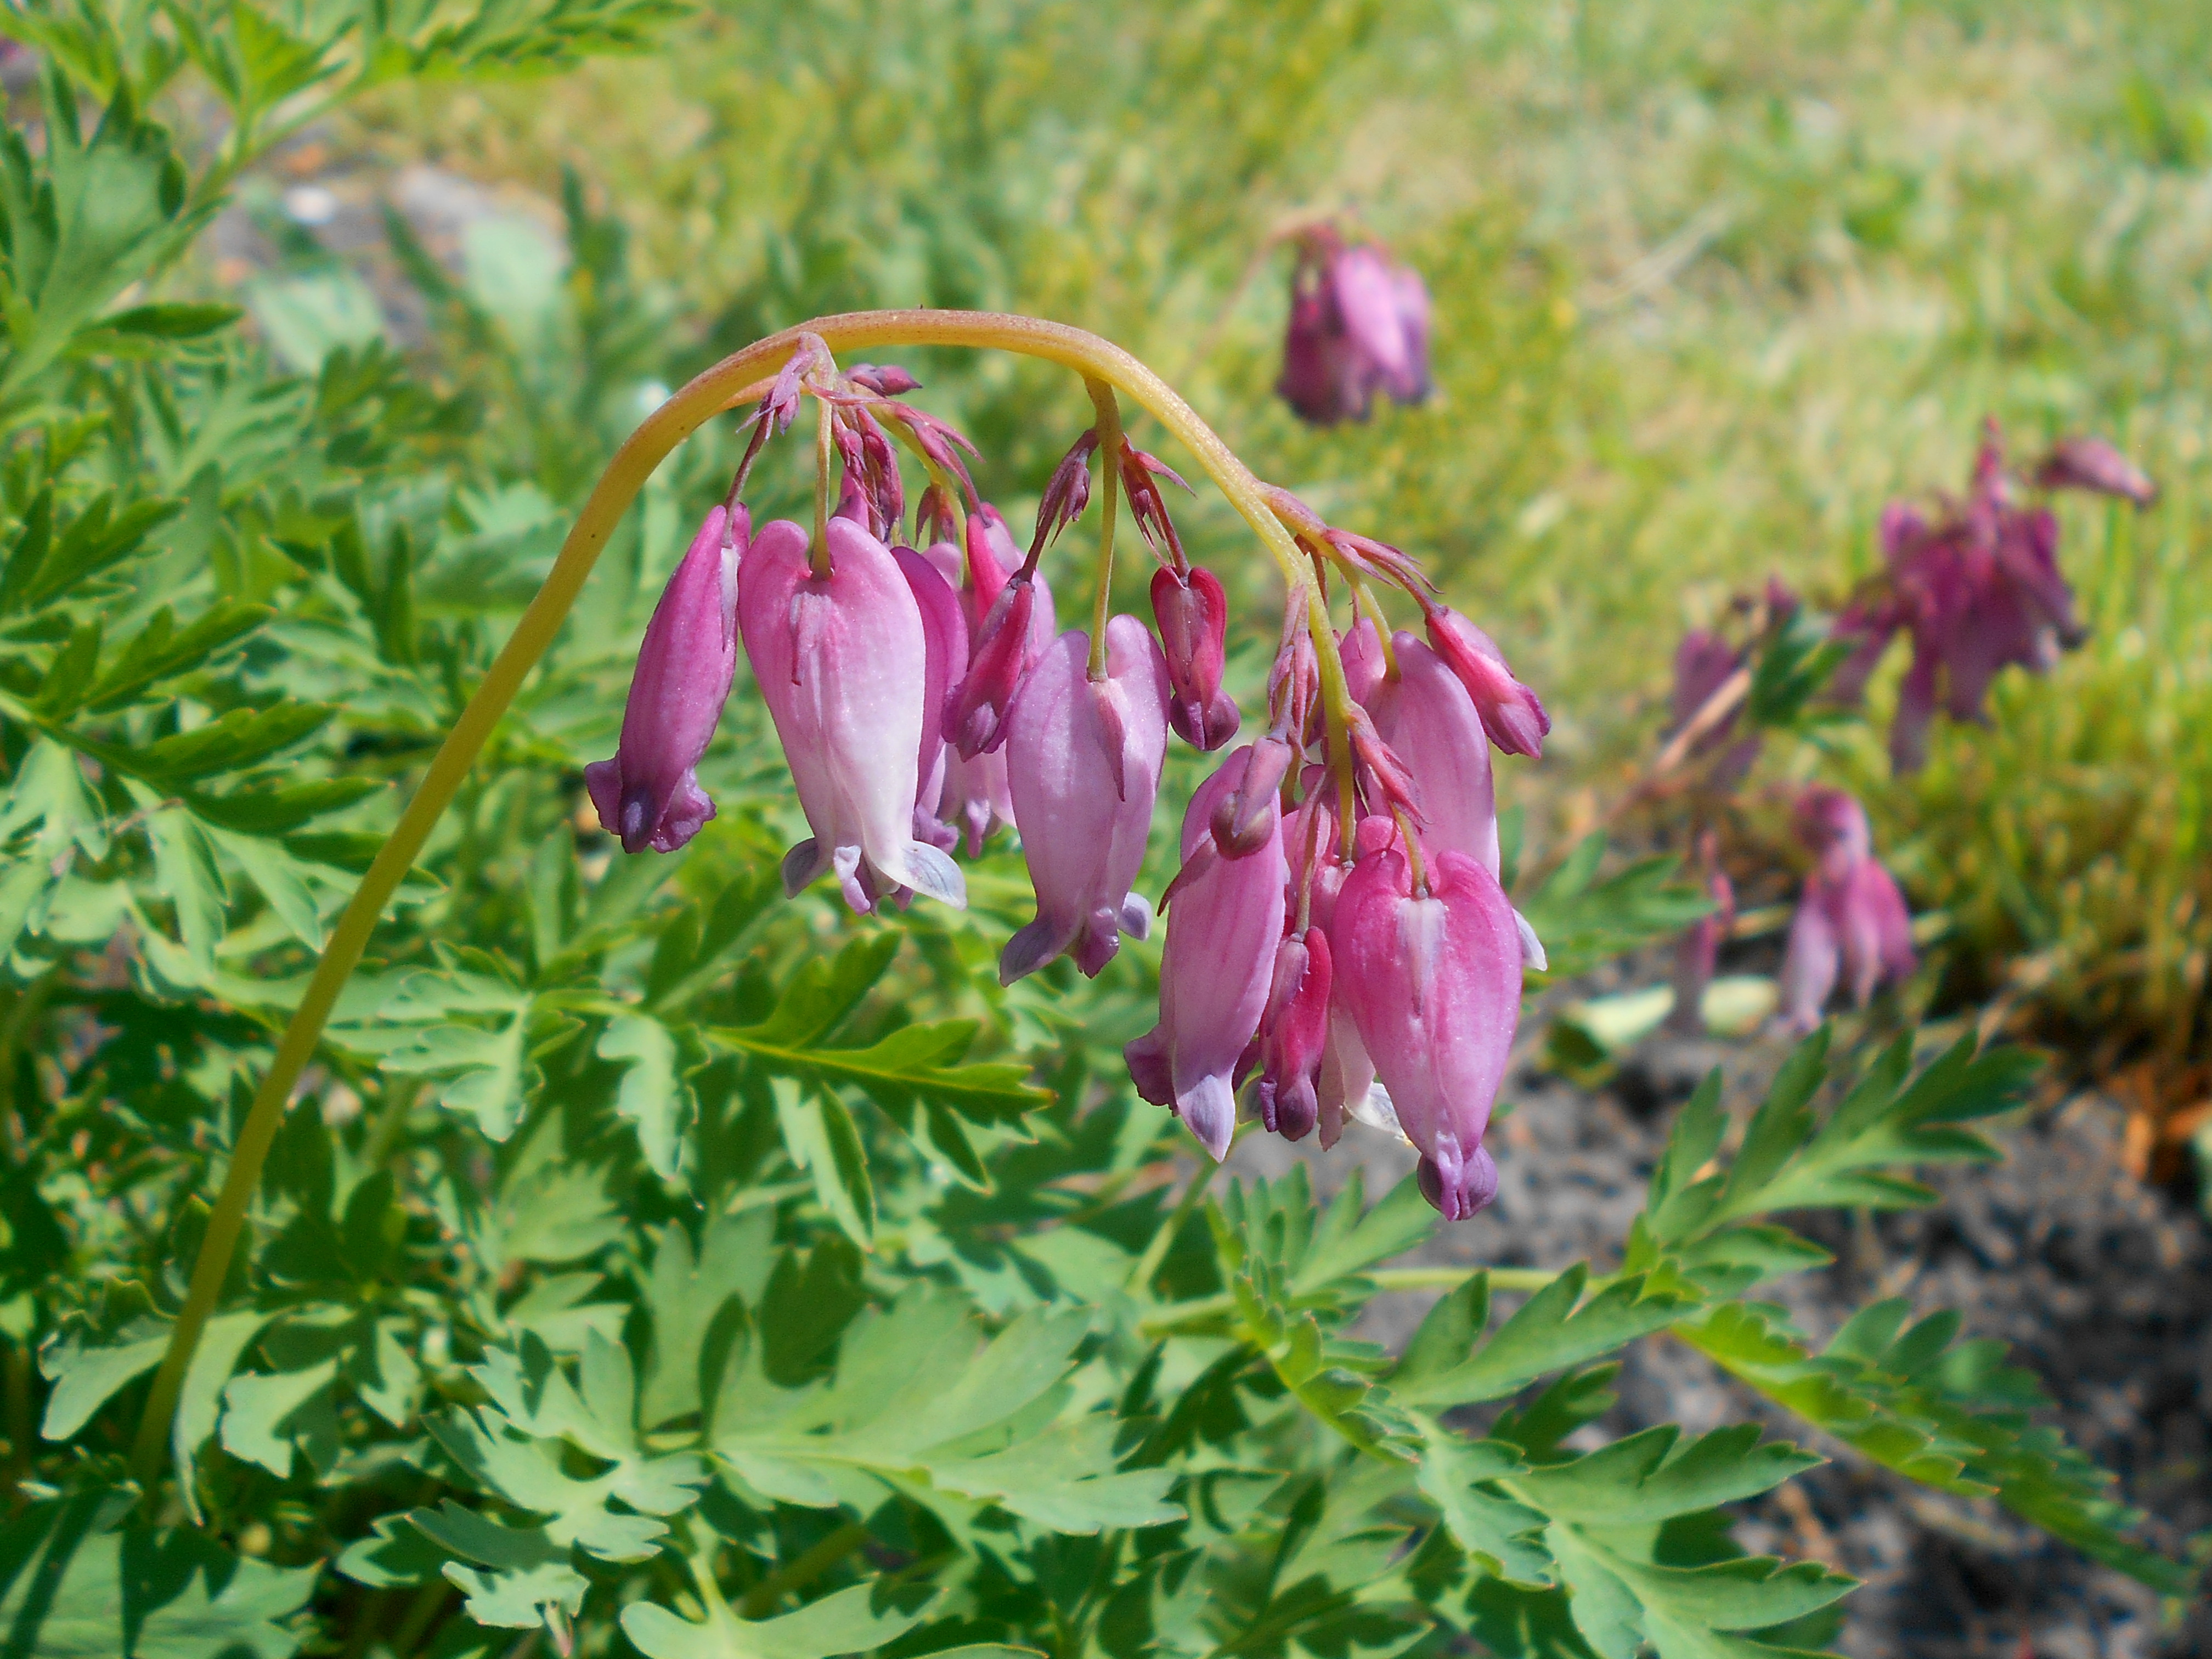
843,664
1084,759
1850,921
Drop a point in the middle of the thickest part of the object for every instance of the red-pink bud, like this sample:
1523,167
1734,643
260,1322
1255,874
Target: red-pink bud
648,794
1293,1031
1510,713
1193,619
976,713
887,380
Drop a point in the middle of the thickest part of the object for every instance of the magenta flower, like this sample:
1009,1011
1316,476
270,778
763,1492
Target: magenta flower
1294,1029
976,796
1193,612
1359,324
843,662
1978,591
1224,919
1850,921
648,794
1431,975
1510,712
1431,724
1083,757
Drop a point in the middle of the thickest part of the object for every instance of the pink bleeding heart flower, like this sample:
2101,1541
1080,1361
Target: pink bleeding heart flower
1224,919
1432,725
1192,613
1084,756
1358,323
1385,312
1510,712
945,638
648,794
843,662
1432,978
1850,921
1293,1032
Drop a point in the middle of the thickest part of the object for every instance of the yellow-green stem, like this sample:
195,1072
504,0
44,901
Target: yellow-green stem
1109,485
690,408
818,556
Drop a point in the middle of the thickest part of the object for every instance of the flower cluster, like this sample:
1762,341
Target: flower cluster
1359,324
1338,944
1978,588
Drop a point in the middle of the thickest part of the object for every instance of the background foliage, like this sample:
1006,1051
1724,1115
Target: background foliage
649,1262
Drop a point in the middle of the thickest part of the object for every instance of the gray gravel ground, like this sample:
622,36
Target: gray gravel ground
2102,1286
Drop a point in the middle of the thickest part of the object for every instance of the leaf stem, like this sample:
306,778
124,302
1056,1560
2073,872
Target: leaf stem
686,411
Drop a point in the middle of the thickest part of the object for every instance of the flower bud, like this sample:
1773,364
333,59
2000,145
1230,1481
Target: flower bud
1224,919
1192,613
976,714
1244,818
648,794
1432,982
1510,713
1084,761
843,664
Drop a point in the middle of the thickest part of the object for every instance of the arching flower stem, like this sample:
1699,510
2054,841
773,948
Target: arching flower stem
736,379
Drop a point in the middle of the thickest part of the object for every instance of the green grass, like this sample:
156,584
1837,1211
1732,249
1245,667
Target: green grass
1713,282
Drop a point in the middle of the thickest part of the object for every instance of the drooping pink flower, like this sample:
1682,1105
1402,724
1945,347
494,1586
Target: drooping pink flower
944,637
1359,324
1431,978
1084,759
1224,919
1511,713
1293,1032
842,662
1431,724
1192,613
648,794
1851,919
